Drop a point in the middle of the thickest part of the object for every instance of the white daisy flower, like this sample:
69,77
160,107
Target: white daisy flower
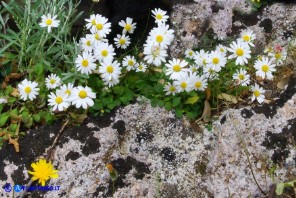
58,101
221,48
104,51
111,82
279,57
258,93
210,73
241,51
199,82
92,21
82,97
154,54
102,27
201,58
141,67
86,44
193,68
129,62
66,89
176,69
85,63
28,89
241,77
189,53
264,68
109,69
122,41
170,89
216,60
160,16
248,36
128,25
53,81
49,22
184,84
268,49
161,35
95,38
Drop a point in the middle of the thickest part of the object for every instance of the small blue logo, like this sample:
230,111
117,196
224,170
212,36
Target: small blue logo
7,187
17,188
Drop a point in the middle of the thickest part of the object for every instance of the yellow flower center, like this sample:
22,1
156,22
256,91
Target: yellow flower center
68,91
93,22
204,61
59,100
88,43
241,76
159,38
155,51
183,85
99,26
52,81
109,69
190,53
105,53
240,52
257,93
140,67
159,16
222,50
198,84
172,89
265,68
278,55
97,37
48,22
122,41
130,62
246,38
176,68
28,90
84,63
82,94
128,27
216,60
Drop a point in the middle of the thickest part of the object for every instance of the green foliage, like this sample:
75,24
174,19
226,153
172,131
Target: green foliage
280,187
30,51
30,45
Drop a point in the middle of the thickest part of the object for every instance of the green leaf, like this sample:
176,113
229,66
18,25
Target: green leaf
153,102
1,107
39,69
160,103
118,90
36,118
192,100
179,113
168,106
3,118
176,101
280,188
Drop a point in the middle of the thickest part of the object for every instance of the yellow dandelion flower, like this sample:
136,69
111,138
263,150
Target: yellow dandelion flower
43,171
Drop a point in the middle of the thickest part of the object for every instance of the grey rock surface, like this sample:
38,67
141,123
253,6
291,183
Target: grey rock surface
224,19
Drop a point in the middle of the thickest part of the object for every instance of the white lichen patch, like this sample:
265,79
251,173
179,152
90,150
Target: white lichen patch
229,172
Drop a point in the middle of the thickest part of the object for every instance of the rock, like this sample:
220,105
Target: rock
194,22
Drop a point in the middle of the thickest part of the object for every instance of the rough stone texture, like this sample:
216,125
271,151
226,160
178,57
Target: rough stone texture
223,19
156,154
